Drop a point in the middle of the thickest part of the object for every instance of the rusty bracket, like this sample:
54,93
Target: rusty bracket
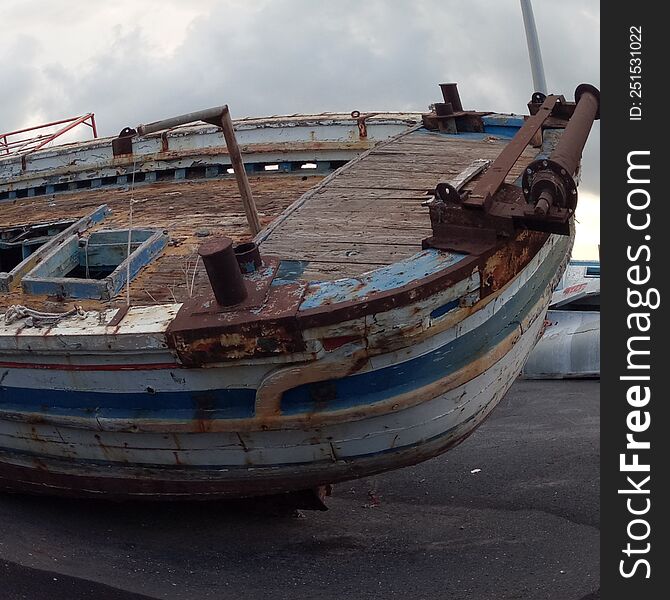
123,144
264,323
449,116
360,121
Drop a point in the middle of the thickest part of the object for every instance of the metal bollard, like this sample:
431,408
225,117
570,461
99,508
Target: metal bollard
223,271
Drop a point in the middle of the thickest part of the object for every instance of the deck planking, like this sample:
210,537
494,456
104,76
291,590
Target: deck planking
183,209
364,216
370,214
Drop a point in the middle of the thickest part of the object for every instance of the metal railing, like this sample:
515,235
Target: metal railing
11,145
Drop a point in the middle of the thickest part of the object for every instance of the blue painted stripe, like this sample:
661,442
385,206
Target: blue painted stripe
375,386
214,404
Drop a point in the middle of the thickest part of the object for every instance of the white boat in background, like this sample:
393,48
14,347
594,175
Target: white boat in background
570,346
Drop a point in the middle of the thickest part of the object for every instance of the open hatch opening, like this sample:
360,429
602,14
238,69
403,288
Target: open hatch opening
94,266
18,242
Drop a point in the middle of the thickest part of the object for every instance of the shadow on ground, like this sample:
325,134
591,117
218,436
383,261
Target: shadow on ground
512,513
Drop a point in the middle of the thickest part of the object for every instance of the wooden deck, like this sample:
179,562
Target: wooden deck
365,215
369,213
183,209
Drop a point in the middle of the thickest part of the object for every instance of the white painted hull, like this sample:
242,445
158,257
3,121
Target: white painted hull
569,348
306,458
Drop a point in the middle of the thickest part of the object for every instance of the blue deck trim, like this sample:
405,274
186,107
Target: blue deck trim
400,274
50,276
502,126
21,270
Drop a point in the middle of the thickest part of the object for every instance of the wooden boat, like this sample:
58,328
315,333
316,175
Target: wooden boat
373,322
570,345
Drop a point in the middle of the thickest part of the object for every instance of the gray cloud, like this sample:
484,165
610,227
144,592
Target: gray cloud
293,56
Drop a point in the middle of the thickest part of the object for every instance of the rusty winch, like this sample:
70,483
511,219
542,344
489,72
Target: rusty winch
546,198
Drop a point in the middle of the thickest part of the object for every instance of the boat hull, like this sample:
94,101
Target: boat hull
421,433
408,406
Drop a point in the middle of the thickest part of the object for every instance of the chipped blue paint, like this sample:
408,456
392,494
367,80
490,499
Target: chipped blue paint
501,120
500,126
138,259
419,266
503,126
289,271
444,309
247,267
550,138
409,376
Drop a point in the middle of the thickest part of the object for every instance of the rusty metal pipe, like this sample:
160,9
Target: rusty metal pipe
248,257
207,114
219,116
241,178
568,153
550,181
223,271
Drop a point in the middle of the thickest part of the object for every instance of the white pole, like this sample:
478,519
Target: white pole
537,70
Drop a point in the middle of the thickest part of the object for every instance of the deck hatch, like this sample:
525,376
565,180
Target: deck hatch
19,242
94,266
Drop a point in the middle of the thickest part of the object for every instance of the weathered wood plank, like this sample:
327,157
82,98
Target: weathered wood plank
371,214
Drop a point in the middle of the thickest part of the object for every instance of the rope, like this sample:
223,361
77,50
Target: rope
130,230
36,318
86,255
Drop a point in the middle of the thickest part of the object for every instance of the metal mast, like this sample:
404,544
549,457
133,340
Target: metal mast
534,53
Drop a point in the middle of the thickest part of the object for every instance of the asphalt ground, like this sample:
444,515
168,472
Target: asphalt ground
511,513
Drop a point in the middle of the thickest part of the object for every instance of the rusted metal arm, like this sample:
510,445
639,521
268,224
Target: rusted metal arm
219,116
490,182
548,196
240,172
209,115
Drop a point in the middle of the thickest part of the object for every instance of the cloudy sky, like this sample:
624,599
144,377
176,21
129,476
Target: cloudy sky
133,61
